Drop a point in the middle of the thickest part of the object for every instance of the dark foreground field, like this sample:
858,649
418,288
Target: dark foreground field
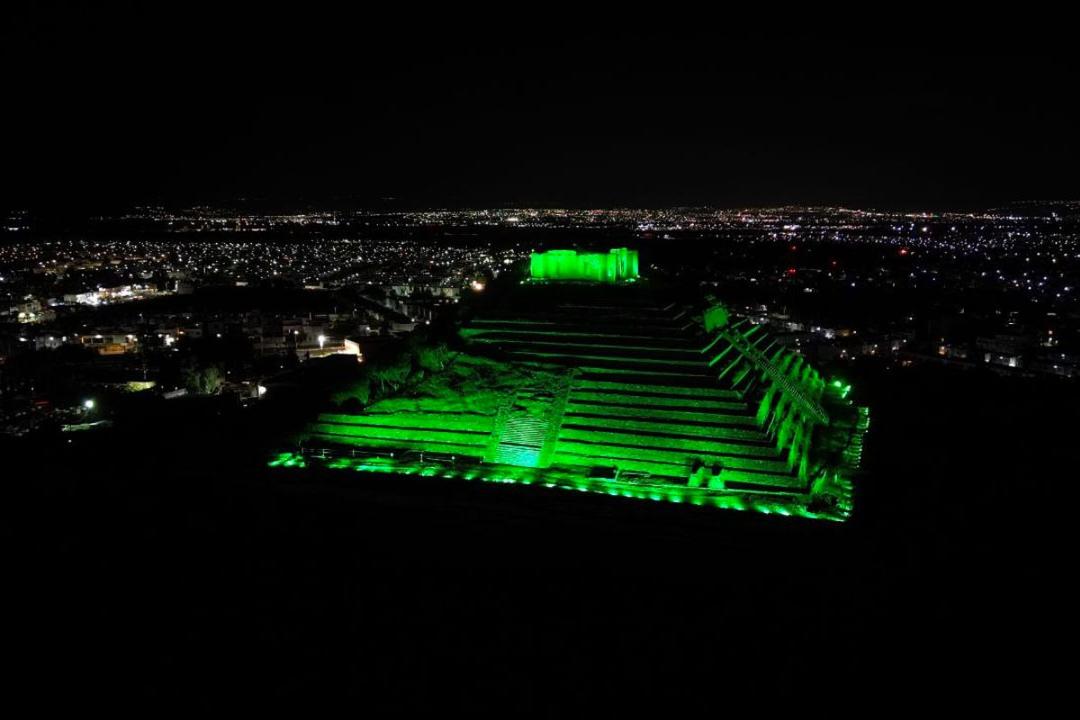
168,561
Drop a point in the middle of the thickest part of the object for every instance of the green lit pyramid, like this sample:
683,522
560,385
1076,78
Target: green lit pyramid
585,377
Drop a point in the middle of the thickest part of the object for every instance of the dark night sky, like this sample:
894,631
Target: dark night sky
108,108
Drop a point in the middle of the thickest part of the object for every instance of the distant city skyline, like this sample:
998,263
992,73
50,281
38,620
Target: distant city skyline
20,217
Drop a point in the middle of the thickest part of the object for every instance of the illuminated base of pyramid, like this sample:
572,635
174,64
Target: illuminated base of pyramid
609,388
566,479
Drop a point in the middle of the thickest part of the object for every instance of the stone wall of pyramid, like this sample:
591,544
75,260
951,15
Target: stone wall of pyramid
621,387
648,394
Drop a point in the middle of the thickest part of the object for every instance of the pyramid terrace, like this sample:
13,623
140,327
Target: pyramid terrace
584,376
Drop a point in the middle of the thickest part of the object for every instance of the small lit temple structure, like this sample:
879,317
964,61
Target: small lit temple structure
586,377
617,265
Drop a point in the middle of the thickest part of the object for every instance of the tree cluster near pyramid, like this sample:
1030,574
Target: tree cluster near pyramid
584,376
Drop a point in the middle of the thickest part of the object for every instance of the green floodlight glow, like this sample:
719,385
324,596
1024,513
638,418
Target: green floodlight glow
634,399
841,388
616,265
558,478
716,317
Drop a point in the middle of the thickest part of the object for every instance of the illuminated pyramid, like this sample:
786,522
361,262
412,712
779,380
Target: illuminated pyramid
585,377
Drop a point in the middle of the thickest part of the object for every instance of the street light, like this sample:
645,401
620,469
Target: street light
322,341
88,404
